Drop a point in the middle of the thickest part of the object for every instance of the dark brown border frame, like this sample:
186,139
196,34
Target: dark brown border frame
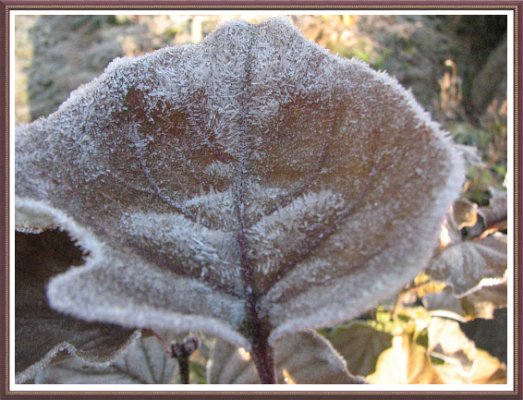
8,5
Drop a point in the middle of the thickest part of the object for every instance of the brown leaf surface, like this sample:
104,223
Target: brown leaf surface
40,332
236,183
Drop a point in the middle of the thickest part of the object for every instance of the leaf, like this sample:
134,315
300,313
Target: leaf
495,215
27,221
144,362
40,332
467,266
489,334
250,187
360,345
471,155
406,362
465,213
463,363
448,343
444,300
483,303
302,358
489,370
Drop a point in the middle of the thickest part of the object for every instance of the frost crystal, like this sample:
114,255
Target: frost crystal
251,178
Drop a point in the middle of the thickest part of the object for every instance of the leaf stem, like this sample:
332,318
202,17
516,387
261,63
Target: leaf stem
182,351
183,363
263,356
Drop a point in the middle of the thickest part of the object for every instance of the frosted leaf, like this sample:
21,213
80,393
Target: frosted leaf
484,302
40,332
27,221
465,265
302,358
251,183
471,155
468,265
144,362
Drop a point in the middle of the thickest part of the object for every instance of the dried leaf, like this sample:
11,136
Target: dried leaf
448,343
463,363
144,362
305,358
360,345
465,213
40,332
235,186
488,370
406,362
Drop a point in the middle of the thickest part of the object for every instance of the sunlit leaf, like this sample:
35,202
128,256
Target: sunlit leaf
488,369
448,343
406,362
144,362
305,357
462,363
249,187
360,345
40,332
465,213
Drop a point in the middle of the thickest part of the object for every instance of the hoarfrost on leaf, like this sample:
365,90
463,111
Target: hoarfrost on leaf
144,362
469,265
250,186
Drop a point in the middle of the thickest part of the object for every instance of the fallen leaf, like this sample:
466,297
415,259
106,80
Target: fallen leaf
144,362
41,333
250,187
302,358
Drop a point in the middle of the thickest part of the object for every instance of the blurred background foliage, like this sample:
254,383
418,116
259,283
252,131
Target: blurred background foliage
456,66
